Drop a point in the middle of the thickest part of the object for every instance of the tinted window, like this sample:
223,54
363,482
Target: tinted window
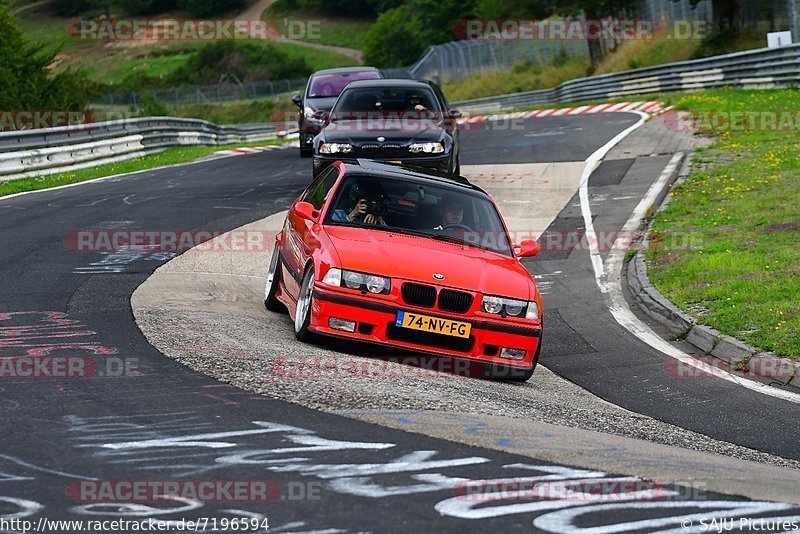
331,85
385,99
319,188
445,213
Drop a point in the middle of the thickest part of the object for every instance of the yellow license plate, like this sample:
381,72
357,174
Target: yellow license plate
436,325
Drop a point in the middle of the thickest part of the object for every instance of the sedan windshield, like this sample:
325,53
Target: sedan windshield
332,85
444,213
372,100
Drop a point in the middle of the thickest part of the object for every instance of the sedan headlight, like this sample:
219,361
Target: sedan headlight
379,285
335,148
510,307
309,115
427,148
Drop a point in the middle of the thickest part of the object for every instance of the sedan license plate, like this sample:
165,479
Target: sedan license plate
435,325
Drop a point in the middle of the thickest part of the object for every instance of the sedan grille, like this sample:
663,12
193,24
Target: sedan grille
419,295
454,301
381,151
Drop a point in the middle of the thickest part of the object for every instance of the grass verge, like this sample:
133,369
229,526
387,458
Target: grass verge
170,156
725,250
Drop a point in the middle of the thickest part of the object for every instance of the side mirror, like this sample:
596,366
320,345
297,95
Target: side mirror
306,211
455,114
527,249
298,101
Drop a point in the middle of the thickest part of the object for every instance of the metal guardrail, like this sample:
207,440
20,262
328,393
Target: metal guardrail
28,153
37,152
753,69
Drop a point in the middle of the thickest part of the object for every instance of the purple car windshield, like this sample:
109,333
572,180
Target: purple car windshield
332,85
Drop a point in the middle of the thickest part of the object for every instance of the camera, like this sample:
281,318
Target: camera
376,207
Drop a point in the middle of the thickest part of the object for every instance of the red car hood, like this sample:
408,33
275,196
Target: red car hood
417,258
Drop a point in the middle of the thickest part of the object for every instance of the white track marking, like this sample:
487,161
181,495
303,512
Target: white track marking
608,276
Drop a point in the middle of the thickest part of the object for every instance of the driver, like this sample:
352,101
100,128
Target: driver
415,104
451,211
366,205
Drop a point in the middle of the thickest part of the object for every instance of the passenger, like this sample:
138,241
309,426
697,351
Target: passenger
365,205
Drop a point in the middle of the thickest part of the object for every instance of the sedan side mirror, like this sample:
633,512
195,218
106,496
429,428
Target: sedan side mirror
307,211
527,249
298,101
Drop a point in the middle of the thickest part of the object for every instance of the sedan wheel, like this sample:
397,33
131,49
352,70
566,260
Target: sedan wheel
271,301
302,315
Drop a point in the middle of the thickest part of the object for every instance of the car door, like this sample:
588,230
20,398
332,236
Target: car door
301,234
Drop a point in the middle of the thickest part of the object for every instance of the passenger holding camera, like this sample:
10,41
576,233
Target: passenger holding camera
361,213
368,209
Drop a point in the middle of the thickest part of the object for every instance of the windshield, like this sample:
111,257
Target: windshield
382,100
332,85
444,213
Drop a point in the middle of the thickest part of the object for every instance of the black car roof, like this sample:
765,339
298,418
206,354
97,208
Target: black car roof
389,82
345,70
390,170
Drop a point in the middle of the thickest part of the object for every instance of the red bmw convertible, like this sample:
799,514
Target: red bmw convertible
410,258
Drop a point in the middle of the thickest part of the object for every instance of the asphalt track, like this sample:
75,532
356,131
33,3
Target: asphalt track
170,423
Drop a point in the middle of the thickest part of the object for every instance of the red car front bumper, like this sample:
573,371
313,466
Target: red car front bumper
376,324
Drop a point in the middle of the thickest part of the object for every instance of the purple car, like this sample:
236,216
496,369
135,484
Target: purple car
323,88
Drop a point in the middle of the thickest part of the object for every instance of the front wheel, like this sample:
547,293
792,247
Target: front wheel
302,315
271,301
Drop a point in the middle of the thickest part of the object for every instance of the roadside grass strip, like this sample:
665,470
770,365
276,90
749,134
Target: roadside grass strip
726,250
167,157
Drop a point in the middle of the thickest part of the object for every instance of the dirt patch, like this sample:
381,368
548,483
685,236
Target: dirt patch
782,227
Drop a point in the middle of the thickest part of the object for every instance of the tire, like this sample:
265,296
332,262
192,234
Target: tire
302,315
317,167
271,301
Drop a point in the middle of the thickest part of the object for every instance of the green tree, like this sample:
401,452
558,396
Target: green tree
238,61
395,40
400,35
26,82
210,8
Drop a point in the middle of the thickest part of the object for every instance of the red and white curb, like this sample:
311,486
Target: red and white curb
255,149
652,108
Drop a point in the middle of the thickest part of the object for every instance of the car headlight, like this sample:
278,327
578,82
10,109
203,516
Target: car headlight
533,311
333,277
335,148
492,305
309,115
508,307
427,148
353,280
379,285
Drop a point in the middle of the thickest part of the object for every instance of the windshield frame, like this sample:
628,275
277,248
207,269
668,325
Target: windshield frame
439,111
354,77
